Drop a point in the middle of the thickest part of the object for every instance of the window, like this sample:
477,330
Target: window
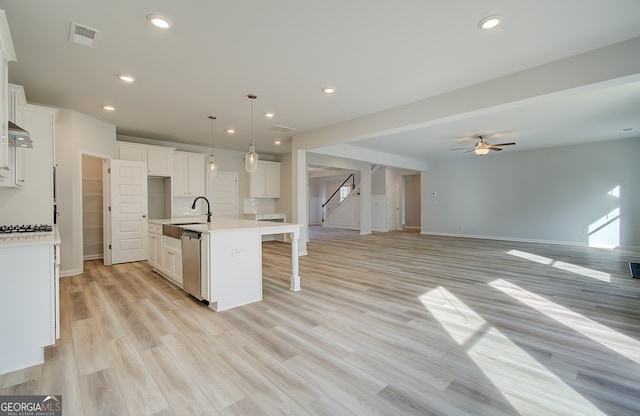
344,192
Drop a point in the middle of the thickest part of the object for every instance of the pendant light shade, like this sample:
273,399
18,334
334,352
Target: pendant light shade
251,158
213,166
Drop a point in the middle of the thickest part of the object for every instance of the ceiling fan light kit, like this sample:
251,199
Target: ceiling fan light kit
482,147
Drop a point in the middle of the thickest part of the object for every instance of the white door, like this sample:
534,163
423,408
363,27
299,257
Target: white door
223,195
393,205
129,226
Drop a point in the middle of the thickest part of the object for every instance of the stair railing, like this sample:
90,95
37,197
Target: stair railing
351,177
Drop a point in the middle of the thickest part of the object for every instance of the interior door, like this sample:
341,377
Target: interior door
223,194
129,226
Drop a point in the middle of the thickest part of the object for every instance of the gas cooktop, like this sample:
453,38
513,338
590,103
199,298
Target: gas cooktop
25,228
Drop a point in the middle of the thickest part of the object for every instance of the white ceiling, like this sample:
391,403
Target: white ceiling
377,53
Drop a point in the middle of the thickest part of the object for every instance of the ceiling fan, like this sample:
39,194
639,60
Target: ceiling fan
482,148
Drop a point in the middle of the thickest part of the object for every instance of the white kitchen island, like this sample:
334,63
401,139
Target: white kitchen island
231,259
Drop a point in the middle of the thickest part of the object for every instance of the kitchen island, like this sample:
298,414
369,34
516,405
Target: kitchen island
231,258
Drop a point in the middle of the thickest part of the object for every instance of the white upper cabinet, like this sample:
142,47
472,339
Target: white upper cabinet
7,54
265,182
188,174
159,159
15,176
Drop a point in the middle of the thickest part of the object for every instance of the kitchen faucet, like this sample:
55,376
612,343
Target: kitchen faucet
193,206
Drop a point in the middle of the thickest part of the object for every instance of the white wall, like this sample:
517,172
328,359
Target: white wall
76,134
558,195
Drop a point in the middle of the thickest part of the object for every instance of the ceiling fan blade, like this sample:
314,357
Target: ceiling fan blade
497,149
468,151
463,148
504,144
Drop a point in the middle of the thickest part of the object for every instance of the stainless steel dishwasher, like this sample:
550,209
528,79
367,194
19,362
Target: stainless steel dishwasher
191,278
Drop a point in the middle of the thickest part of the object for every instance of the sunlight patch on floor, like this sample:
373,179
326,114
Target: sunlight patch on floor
569,267
614,340
530,256
524,382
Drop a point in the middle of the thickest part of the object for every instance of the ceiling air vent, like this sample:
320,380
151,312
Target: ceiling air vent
282,129
82,35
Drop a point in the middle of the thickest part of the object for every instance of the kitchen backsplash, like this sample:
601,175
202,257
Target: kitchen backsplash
182,208
259,205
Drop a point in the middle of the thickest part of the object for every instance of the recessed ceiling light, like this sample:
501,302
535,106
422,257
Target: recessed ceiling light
109,108
159,21
328,90
231,131
490,22
126,77
277,142
269,115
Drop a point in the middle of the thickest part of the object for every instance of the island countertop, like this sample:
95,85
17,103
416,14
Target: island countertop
230,224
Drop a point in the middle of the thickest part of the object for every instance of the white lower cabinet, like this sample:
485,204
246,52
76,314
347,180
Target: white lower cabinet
155,246
155,250
172,259
165,254
29,303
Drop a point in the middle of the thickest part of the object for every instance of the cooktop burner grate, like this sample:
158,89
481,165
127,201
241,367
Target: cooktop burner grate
25,228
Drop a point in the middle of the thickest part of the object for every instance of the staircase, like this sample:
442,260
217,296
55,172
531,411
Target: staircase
343,211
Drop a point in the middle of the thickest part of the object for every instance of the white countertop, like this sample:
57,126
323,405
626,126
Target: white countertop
30,239
228,224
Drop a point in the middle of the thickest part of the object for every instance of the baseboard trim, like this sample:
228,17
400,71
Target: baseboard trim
514,239
71,272
529,240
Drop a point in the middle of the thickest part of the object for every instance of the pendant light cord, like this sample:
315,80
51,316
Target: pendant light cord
212,118
252,97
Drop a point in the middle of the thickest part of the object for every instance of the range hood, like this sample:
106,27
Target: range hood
19,137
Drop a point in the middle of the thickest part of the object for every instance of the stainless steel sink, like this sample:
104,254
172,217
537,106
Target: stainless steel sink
174,230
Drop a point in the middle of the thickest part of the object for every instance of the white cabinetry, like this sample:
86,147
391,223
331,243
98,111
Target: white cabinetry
159,159
172,259
29,301
265,182
188,174
7,54
155,246
15,173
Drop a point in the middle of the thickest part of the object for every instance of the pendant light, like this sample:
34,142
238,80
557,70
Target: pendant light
213,166
251,158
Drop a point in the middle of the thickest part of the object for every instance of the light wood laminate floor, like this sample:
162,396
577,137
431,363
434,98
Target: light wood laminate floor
390,323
